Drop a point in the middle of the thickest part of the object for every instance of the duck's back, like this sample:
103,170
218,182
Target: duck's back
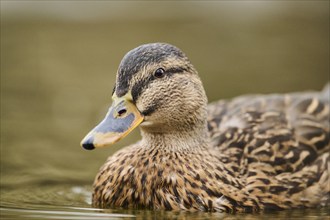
278,145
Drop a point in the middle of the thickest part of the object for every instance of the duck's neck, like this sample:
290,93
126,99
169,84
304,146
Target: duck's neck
182,126
177,140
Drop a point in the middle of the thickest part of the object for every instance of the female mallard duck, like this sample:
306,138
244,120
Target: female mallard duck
248,154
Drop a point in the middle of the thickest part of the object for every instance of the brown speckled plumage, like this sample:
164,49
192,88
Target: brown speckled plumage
252,153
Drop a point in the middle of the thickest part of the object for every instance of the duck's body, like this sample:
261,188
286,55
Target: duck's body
248,154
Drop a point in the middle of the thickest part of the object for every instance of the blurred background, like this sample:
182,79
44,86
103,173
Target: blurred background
59,59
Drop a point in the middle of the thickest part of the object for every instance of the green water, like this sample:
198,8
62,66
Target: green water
58,64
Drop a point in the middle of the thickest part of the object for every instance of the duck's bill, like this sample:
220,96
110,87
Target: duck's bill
121,119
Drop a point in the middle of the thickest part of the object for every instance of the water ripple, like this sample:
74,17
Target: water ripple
12,213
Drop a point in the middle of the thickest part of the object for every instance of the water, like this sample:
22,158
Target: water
58,61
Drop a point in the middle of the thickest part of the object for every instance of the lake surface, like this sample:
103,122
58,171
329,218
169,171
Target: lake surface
58,65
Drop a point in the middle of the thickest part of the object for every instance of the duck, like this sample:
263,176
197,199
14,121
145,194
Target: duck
251,153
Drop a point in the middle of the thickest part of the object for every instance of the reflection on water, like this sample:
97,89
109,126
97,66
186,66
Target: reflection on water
58,202
67,213
58,68
73,202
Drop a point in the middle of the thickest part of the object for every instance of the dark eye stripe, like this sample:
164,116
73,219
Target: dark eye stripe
175,70
138,87
150,109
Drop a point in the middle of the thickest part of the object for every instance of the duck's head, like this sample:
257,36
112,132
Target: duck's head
157,88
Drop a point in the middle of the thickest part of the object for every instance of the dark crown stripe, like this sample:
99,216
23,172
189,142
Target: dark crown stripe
136,59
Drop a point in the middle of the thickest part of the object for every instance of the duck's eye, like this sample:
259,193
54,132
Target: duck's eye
159,73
